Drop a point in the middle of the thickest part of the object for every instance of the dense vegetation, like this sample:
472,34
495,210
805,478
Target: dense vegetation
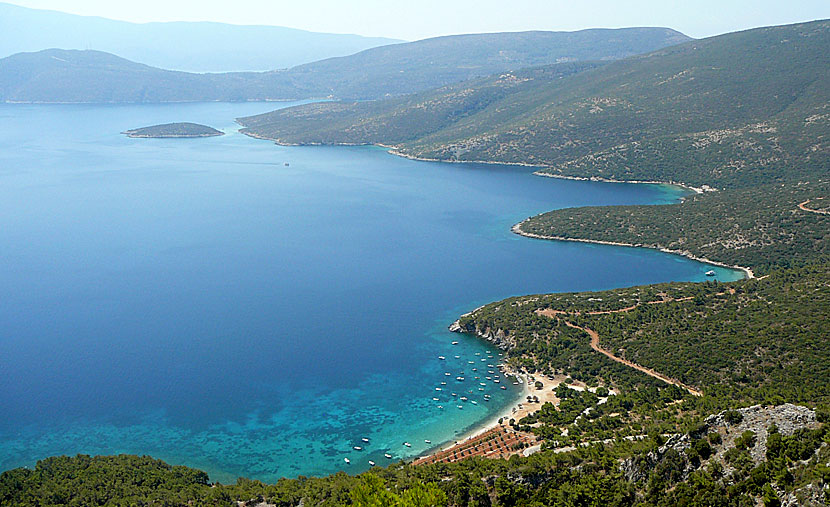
183,129
630,437
94,76
757,227
695,113
765,339
412,116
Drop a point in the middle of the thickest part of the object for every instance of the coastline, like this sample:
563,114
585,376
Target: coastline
520,408
517,229
516,410
147,136
394,150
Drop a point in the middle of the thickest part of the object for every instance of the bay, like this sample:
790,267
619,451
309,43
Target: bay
256,310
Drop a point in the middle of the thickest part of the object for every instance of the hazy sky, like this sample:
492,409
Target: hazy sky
418,19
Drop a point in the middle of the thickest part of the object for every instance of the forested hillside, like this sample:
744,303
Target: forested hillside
695,113
56,75
698,394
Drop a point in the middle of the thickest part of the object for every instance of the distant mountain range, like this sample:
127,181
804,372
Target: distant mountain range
93,76
195,47
749,106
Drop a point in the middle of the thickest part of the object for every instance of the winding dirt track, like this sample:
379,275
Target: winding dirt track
595,343
803,207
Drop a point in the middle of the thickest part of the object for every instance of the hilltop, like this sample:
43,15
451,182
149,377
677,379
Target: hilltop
56,75
668,394
174,130
695,113
189,46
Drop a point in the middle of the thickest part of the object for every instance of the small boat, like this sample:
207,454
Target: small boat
365,439
497,381
482,384
480,388
503,387
447,373
458,357
440,406
474,402
435,399
443,383
437,388
347,461
427,441
460,379
463,398
460,406
407,444
441,358
455,343
711,272
454,394
478,353
387,456
357,448
286,164
371,463
471,362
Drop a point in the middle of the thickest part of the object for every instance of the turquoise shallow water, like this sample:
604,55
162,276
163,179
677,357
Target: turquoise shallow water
202,302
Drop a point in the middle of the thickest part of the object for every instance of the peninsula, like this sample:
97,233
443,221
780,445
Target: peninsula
174,130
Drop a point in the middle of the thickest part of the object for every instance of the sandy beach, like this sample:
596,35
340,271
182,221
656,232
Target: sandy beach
517,410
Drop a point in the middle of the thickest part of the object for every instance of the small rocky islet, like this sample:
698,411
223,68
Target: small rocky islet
181,130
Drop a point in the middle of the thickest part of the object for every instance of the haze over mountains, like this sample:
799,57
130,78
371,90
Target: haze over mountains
695,113
91,76
195,47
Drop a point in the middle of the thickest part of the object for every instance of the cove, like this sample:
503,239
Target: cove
201,301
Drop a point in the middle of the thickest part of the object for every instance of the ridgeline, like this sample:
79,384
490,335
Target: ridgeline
745,113
57,75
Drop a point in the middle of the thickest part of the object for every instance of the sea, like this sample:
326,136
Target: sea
256,310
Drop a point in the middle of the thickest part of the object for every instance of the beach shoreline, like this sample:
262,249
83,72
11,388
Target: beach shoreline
516,410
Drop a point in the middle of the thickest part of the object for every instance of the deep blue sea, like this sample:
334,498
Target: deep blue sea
200,301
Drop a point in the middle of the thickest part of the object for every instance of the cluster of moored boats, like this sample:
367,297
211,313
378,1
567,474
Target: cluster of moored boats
385,455
493,376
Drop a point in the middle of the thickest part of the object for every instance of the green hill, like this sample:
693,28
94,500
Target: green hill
703,374
179,130
93,76
731,110
57,75
422,65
